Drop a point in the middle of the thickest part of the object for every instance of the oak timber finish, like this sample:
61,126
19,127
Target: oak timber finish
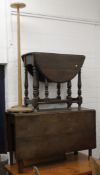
47,135
52,67
50,135
73,165
55,67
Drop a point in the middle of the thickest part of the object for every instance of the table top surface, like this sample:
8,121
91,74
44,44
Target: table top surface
73,165
51,111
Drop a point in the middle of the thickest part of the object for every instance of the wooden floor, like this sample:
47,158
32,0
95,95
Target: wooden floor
74,165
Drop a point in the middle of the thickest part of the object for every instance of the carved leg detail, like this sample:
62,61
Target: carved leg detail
90,153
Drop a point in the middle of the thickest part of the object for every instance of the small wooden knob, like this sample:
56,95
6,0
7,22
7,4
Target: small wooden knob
18,5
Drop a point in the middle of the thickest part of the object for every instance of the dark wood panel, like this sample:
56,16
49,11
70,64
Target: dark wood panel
46,135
